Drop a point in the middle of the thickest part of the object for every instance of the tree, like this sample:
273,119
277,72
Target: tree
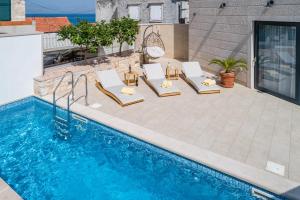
124,29
104,34
83,35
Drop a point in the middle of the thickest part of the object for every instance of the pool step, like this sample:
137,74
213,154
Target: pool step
61,127
259,194
61,121
79,118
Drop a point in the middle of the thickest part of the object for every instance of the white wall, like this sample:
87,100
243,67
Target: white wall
20,61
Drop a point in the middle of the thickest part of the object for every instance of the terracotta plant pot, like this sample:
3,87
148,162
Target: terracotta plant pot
227,79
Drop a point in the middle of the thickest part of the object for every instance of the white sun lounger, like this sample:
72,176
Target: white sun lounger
109,82
194,75
154,77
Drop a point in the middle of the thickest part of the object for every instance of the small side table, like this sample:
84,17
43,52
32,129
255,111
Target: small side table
131,78
172,74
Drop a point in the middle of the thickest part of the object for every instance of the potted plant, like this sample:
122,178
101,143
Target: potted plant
229,65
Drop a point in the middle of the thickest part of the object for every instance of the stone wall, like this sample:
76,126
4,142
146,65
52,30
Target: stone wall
219,33
170,10
109,9
44,85
17,10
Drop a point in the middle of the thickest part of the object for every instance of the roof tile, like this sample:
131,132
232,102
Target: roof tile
49,24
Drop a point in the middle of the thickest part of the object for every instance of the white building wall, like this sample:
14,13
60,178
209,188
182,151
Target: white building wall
20,61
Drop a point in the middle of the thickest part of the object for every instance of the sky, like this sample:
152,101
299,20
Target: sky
60,6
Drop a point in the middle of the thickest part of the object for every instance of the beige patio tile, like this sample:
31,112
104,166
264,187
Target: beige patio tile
294,173
207,138
3,185
239,149
9,194
258,155
241,123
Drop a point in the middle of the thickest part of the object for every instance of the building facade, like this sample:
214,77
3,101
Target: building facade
158,11
265,33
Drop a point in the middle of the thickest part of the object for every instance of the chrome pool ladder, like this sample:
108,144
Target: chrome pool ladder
62,123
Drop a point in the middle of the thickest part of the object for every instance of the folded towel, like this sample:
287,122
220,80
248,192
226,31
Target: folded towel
128,90
209,82
166,84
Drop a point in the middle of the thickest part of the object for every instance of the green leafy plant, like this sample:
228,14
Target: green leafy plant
230,64
83,35
124,30
104,34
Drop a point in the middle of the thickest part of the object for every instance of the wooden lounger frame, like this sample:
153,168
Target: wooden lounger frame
160,95
199,92
111,95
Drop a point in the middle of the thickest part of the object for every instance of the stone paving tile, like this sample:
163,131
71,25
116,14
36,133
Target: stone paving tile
9,194
258,155
3,185
294,172
241,146
241,123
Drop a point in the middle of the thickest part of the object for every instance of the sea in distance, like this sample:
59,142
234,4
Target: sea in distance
73,18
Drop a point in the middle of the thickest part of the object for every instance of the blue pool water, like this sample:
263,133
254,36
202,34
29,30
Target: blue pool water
98,163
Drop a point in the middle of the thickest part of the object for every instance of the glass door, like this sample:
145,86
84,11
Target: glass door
276,59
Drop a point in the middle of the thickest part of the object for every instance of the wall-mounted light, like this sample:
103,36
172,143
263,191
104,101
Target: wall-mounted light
222,5
270,3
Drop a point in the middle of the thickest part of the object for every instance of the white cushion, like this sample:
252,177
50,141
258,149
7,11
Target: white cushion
192,69
154,71
109,78
155,52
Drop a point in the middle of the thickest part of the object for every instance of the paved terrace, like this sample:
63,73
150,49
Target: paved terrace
240,123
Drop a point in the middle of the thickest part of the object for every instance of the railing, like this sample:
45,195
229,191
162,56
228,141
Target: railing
52,42
85,95
61,124
58,85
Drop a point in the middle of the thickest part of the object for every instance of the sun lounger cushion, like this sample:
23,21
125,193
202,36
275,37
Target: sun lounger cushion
109,78
156,84
154,71
124,98
197,84
192,69
155,52
111,82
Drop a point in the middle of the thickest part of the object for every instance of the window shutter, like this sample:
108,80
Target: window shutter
155,12
5,10
134,12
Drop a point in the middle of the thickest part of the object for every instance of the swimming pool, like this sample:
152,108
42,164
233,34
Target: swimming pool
97,162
